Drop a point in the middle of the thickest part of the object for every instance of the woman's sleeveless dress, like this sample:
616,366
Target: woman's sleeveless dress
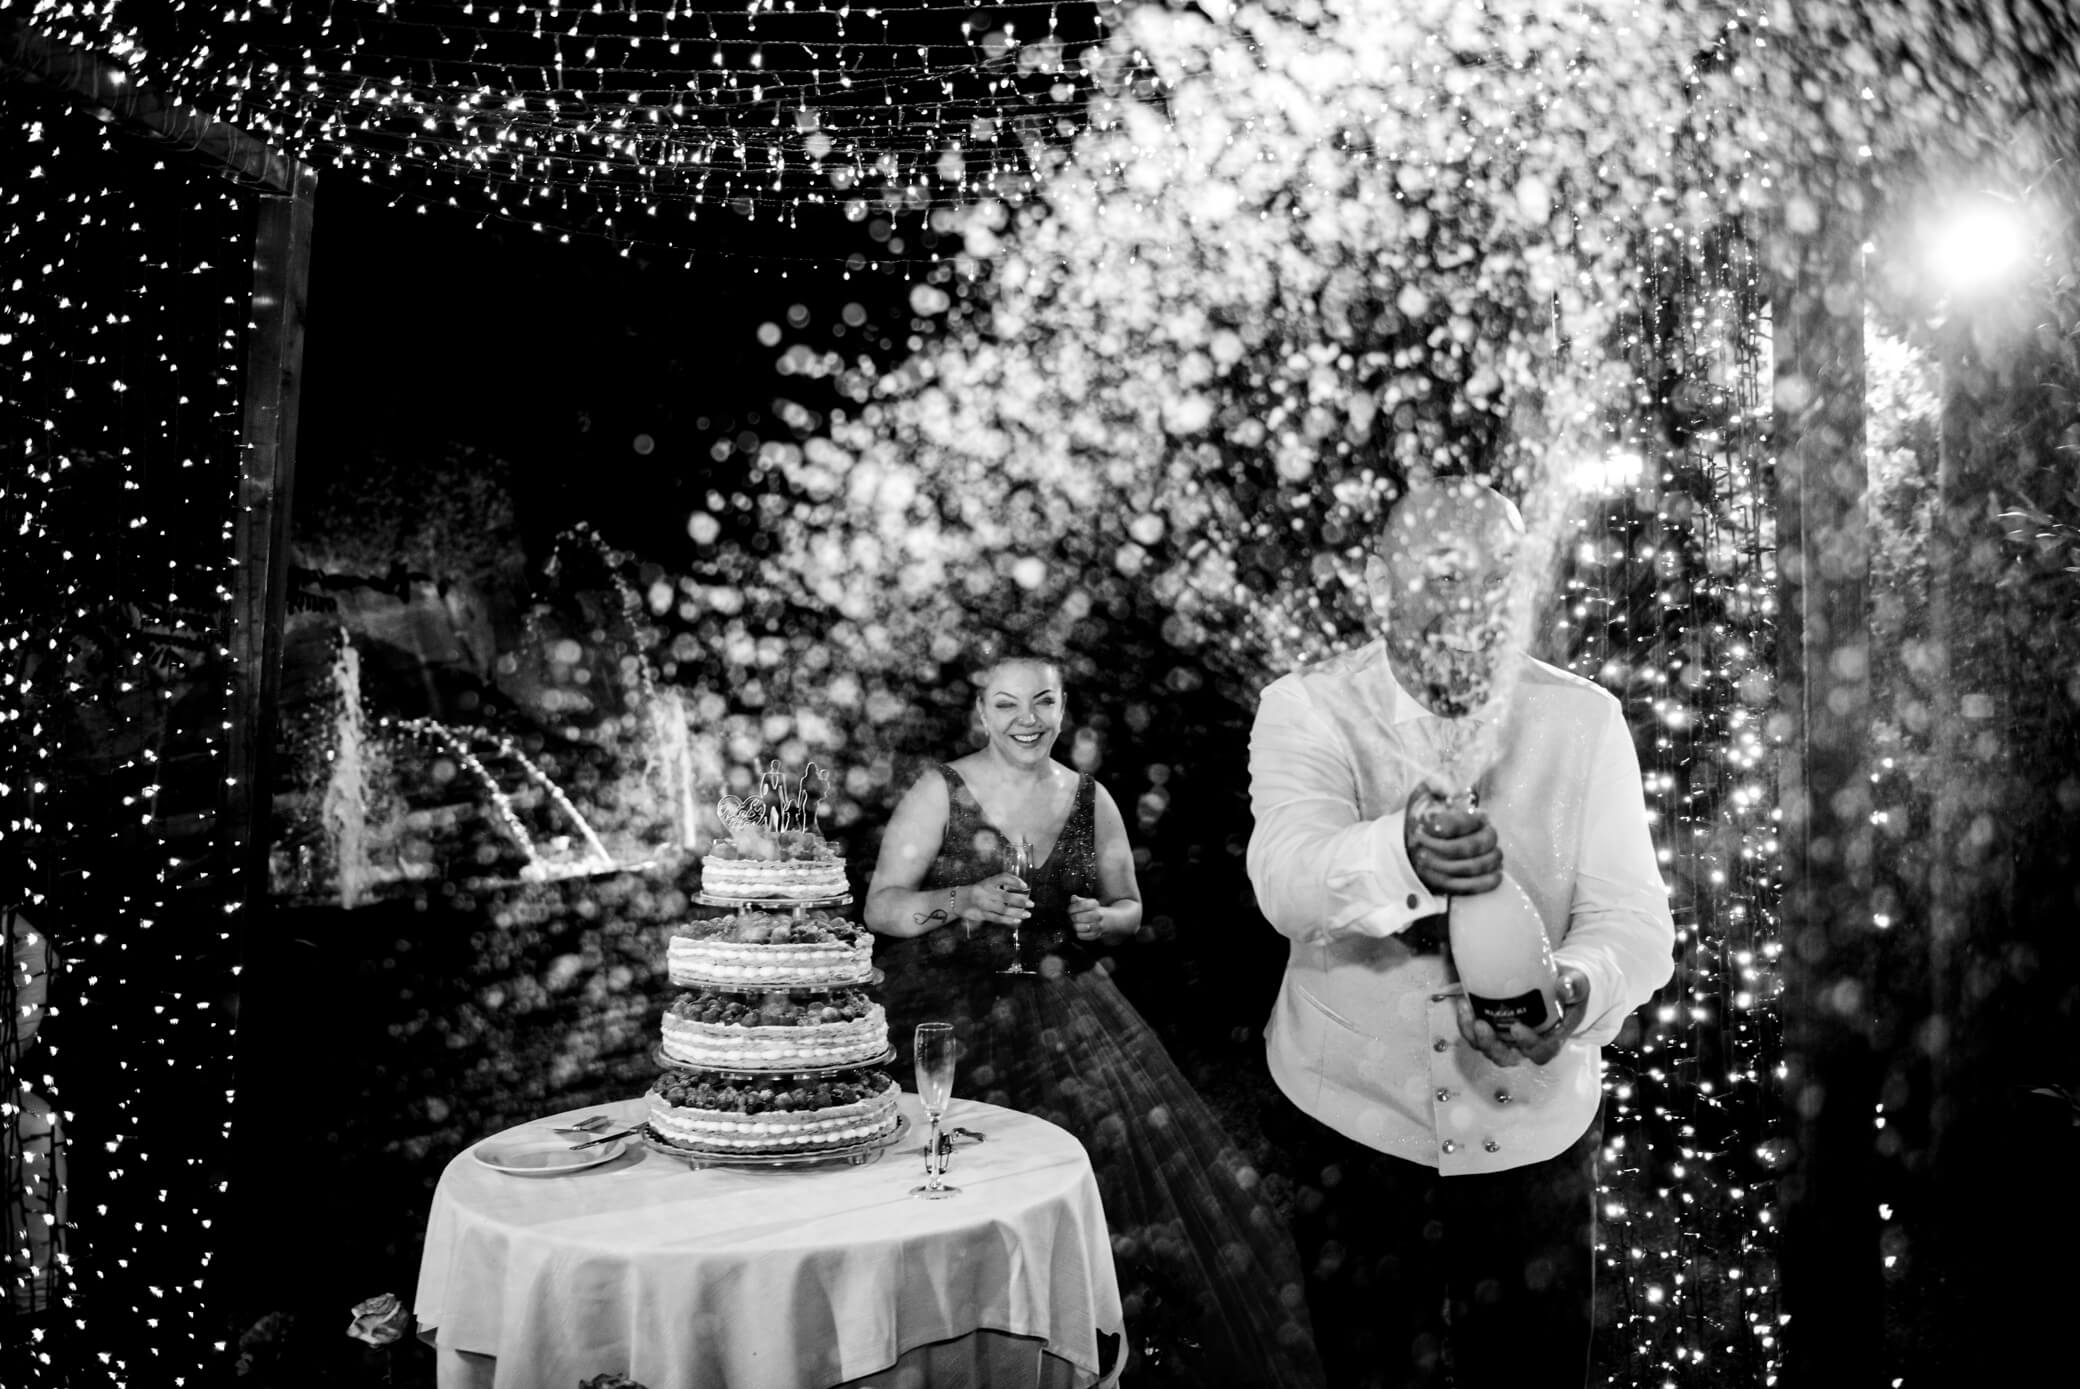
1212,1285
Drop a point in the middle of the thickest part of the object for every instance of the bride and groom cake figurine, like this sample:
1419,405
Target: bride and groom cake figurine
773,1050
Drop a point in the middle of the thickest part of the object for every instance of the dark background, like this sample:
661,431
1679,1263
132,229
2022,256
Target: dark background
427,329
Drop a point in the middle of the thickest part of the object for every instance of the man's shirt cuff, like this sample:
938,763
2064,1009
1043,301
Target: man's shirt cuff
1379,894
1605,1014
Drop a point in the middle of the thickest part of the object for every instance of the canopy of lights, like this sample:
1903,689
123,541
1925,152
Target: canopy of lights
1218,275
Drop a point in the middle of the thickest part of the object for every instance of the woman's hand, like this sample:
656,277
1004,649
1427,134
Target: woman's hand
1002,899
1087,915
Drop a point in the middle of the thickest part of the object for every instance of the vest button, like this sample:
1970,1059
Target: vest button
1492,1146
1443,1094
1502,1097
1451,1145
1440,1045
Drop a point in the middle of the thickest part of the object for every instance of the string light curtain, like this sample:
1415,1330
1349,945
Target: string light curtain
1669,601
122,322
633,120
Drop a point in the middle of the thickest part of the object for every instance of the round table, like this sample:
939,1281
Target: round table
778,1277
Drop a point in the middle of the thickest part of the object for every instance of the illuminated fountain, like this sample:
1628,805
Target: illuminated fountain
367,835
344,811
663,774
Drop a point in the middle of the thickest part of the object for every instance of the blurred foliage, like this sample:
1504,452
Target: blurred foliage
1974,455
444,513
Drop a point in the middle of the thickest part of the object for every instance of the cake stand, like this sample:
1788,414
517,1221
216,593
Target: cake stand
801,905
673,1063
852,1154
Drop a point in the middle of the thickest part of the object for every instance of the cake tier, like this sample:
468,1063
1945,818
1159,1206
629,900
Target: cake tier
775,1034
765,879
775,1116
755,948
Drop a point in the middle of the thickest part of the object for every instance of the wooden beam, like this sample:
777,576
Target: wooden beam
100,85
266,490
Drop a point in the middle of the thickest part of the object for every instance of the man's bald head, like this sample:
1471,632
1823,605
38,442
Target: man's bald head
1448,512
1440,571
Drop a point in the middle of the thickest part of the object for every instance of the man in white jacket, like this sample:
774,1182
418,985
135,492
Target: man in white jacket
1448,1170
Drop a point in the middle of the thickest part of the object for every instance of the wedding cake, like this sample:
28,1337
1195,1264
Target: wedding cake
772,1051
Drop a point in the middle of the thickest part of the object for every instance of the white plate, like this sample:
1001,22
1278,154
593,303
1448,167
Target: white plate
543,1157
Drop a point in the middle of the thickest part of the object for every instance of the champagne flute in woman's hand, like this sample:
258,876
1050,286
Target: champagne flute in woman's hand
935,1057
1018,861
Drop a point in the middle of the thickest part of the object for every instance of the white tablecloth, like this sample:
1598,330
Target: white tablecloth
777,1278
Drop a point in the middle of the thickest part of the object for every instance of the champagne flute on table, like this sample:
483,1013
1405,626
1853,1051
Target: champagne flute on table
935,1057
1018,861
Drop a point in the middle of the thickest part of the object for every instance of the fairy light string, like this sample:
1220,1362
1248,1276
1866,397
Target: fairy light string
1668,600
123,325
627,121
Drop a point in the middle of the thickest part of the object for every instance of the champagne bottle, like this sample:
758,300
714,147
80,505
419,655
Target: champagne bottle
1504,959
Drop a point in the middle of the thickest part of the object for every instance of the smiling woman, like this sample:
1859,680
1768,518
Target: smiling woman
1022,709
1207,1270
949,832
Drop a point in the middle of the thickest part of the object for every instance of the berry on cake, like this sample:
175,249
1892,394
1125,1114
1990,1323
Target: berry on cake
775,1032
776,1115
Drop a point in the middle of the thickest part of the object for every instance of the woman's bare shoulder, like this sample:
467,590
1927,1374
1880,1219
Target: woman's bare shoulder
927,790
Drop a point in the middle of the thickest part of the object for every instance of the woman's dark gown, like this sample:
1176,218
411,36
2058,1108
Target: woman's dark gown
1208,1271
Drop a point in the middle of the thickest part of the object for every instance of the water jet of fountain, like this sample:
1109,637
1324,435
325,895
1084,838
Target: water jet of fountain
344,811
671,754
596,852
661,724
457,742
501,804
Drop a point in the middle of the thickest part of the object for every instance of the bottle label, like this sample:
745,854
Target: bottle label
1527,1008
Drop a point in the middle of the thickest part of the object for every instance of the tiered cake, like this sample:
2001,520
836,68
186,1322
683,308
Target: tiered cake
772,1053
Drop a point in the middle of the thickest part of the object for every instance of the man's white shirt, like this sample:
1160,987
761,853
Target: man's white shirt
1363,1035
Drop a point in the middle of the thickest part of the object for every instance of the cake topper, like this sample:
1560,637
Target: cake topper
738,813
775,809
806,802
772,784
